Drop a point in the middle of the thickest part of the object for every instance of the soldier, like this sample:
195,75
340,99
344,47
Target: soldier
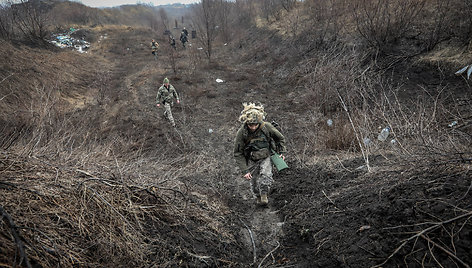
183,38
172,42
255,141
165,96
154,47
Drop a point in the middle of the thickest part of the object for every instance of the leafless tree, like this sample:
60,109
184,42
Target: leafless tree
30,19
245,12
6,23
205,15
271,8
324,20
164,18
383,22
288,4
225,19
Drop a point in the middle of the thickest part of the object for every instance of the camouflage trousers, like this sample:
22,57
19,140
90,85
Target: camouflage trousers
261,176
168,113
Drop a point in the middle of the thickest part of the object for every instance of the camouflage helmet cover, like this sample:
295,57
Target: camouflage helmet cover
166,80
252,113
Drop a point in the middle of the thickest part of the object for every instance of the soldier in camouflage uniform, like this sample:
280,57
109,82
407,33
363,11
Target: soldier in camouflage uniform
165,96
255,141
154,47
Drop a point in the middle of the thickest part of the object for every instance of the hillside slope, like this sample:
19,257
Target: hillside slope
91,174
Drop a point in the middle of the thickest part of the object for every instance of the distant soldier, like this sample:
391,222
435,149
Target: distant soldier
183,38
255,142
172,42
154,47
185,31
165,96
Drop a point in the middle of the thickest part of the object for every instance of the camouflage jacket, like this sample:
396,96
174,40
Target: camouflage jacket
154,45
165,94
275,142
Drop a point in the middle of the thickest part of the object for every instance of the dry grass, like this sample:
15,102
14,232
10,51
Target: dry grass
71,216
91,177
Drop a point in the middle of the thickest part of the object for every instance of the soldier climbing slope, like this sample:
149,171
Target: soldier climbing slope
172,42
165,96
183,38
154,47
255,141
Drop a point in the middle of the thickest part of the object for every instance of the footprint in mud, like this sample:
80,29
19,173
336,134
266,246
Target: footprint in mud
263,231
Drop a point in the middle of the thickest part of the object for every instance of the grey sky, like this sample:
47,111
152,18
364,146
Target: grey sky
112,3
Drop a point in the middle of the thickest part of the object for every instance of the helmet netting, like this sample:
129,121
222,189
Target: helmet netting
252,113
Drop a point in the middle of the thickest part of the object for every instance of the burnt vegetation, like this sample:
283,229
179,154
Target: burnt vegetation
91,174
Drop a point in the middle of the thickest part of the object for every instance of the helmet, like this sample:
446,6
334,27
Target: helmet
166,80
252,114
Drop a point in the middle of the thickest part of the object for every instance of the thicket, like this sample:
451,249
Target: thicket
350,58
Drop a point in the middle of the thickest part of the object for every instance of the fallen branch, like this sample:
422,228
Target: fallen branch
331,201
445,251
201,258
21,188
112,207
467,192
113,183
4,80
268,254
19,242
252,240
436,225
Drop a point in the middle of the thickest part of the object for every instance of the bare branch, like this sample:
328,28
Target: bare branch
18,240
445,250
436,225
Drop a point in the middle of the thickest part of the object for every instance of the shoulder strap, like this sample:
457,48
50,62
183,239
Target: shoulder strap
264,132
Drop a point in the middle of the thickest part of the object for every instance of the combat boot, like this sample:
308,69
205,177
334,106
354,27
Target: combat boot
264,199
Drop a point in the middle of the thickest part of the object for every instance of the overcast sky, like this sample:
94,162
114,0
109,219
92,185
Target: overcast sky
112,3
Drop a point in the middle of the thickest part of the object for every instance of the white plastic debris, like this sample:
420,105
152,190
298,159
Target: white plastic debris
361,167
384,134
453,123
393,141
210,130
367,141
467,68
65,40
219,80
329,122
200,48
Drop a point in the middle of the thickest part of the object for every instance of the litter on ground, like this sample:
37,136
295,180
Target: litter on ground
64,40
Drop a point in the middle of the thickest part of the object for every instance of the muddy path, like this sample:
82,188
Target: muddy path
205,119
262,231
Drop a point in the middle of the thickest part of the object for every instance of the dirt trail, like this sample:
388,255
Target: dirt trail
260,228
262,232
